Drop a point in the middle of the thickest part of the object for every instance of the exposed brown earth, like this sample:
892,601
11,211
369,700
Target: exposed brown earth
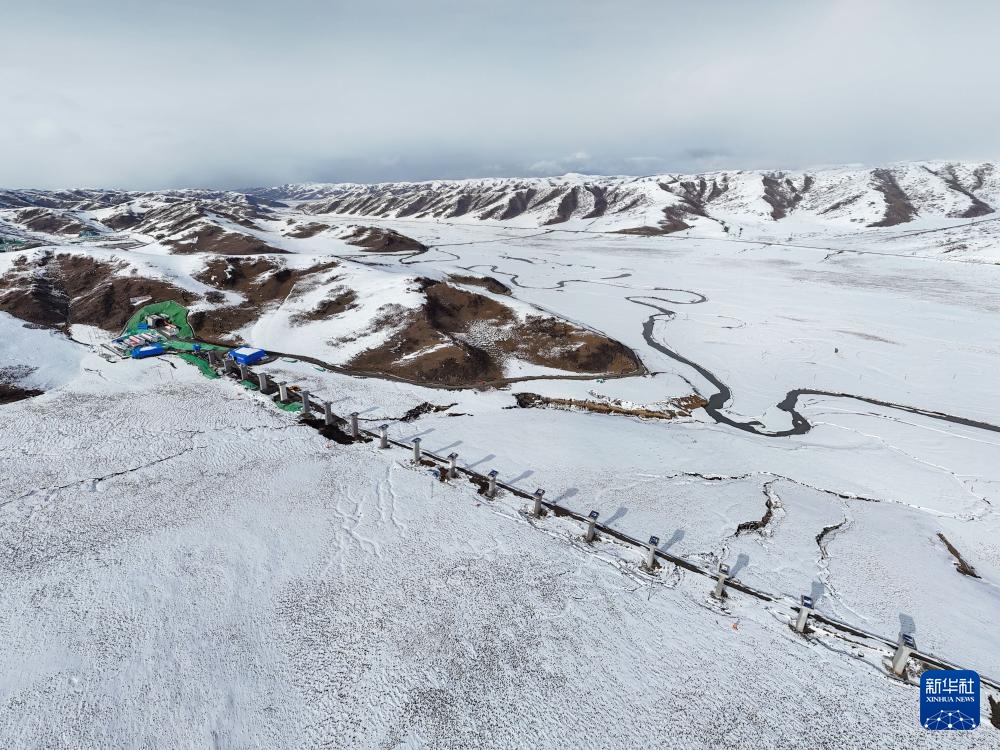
333,431
567,205
694,196
960,564
600,202
673,221
452,310
264,282
122,220
898,209
305,231
9,393
452,362
976,207
60,290
556,343
195,225
842,204
218,325
517,204
78,200
485,202
647,231
381,240
782,194
245,274
748,526
425,408
214,239
682,407
49,221
180,214
340,303
822,535
488,283
462,338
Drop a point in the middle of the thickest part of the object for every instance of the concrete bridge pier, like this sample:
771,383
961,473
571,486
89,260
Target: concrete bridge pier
536,511
906,646
805,609
654,542
720,581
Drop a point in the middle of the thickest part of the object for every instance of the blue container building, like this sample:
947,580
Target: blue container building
149,350
247,355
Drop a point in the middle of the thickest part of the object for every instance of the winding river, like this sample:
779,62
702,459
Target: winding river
723,393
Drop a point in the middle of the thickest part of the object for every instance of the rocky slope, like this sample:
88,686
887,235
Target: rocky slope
465,331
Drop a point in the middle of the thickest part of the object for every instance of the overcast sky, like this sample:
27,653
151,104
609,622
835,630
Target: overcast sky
238,93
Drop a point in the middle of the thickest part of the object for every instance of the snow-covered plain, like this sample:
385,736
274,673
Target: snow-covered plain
235,580
909,331
191,567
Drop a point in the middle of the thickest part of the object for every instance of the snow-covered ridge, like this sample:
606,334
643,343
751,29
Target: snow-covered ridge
836,198
844,196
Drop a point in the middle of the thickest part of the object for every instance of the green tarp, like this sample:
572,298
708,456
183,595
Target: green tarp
187,346
206,369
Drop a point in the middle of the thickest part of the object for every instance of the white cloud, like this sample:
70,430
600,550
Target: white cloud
251,93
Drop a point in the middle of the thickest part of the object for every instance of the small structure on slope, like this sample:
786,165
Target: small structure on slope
149,350
247,355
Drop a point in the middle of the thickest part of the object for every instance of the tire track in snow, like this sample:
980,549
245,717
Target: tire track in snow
387,500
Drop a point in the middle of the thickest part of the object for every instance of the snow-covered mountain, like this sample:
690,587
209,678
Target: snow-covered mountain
844,197
841,197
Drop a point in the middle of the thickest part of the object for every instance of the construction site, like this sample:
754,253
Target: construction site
164,325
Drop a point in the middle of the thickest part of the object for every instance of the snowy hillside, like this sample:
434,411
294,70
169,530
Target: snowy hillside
785,373
248,585
934,208
842,199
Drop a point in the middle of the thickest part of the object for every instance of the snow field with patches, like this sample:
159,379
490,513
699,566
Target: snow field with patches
381,298
37,358
915,332
692,485
242,582
195,568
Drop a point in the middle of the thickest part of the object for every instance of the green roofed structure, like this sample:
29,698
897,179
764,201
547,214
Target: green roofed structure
177,314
